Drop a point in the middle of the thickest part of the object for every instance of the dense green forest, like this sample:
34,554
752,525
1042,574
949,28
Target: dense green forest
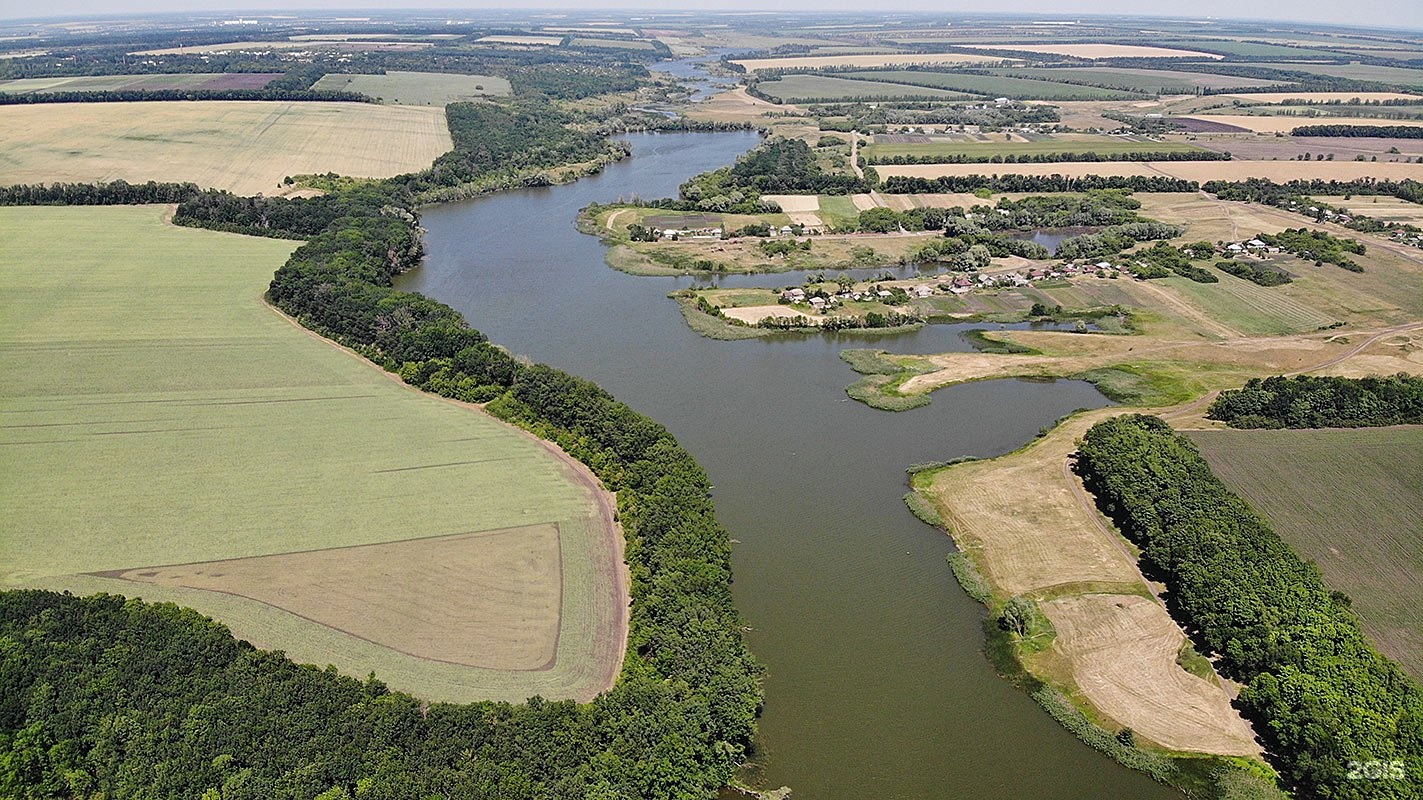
1338,720
1316,246
102,697
1308,401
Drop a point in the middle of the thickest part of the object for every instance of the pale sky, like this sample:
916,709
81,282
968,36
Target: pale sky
1380,13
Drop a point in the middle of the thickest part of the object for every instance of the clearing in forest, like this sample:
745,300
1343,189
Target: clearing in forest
244,146
156,413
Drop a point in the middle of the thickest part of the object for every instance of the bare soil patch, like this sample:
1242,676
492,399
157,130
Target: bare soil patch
1095,51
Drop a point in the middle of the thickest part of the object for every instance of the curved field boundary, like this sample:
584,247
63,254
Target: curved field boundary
157,412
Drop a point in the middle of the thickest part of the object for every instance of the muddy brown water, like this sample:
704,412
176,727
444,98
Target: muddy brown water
876,684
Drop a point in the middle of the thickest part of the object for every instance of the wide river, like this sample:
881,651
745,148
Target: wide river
876,683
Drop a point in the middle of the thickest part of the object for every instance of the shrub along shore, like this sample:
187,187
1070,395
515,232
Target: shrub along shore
127,698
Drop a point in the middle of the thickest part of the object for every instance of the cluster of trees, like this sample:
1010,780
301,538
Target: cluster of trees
113,697
879,117
115,193
1091,208
1322,699
949,184
1255,272
1046,158
845,322
1113,240
1317,246
789,165
1361,131
1321,402
1161,259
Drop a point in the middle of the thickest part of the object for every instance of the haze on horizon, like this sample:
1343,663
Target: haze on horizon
1390,14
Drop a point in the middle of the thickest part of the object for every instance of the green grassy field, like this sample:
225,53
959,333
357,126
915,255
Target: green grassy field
1103,145
620,44
1351,500
838,210
1397,76
156,412
417,88
793,88
1148,81
996,86
1249,308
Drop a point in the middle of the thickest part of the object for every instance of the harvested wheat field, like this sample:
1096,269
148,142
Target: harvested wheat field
1121,650
869,61
246,147
156,412
504,616
1095,51
1029,526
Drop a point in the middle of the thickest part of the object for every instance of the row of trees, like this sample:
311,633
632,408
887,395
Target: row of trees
168,95
1113,240
1361,131
125,699
1321,402
1326,704
949,184
1046,158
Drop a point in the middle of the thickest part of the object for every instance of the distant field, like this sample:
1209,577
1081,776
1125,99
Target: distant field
996,86
1104,145
1187,170
227,47
530,40
867,61
620,44
1096,51
247,147
1252,49
1150,81
1399,76
793,88
1302,98
417,88
1284,124
114,83
1350,500
169,436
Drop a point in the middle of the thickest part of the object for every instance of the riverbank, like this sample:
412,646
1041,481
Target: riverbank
1105,657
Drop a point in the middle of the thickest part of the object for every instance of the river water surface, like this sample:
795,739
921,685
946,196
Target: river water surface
876,683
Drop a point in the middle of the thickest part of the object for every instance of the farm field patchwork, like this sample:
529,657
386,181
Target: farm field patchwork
996,85
1399,76
798,88
1240,49
1278,171
1102,145
1150,81
417,88
1350,500
113,83
170,436
1305,98
244,146
1095,50
1285,124
866,61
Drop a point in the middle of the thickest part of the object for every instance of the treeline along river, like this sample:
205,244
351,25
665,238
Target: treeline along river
876,685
